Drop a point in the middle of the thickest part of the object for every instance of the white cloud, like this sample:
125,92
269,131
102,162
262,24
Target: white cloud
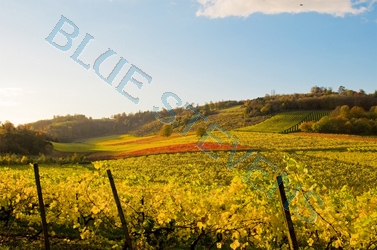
13,92
244,8
8,104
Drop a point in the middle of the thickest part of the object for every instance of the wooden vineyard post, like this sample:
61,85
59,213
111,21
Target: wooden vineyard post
287,216
41,206
120,211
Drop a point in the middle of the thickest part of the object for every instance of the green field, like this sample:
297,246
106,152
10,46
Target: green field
111,146
283,121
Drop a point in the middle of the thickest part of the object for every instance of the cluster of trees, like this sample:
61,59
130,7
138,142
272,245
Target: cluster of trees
75,127
318,99
345,120
72,127
167,130
21,140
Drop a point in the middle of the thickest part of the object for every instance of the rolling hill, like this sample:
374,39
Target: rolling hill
285,122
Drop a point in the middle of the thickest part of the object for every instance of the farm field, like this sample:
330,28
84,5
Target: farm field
120,143
283,121
189,200
115,147
120,146
112,146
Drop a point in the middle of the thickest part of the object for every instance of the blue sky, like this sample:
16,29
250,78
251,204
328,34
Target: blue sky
201,50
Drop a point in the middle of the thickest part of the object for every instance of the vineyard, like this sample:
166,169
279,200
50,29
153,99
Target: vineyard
123,145
191,201
285,122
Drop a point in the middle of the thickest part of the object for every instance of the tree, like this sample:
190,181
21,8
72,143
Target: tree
315,90
200,131
373,112
335,112
8,127
362,126
266,109
206,109
374,129
357,112
341,90
322,125
212,105
340,125
306,126
329,91
345,111
350,92
166,130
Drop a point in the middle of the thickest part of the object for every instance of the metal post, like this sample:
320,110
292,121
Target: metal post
287,216
120,211
41,206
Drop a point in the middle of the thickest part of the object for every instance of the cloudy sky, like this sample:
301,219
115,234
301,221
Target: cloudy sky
200,50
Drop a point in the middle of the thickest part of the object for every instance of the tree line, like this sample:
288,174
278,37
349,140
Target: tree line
318,99
71,128
21,140
345,120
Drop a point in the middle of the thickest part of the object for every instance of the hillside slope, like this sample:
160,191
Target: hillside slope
228,114
285,122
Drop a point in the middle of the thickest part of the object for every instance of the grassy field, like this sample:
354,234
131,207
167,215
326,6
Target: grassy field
278,123
114,146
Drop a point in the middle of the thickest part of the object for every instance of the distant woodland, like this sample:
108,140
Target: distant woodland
22,140
318,99
75,127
